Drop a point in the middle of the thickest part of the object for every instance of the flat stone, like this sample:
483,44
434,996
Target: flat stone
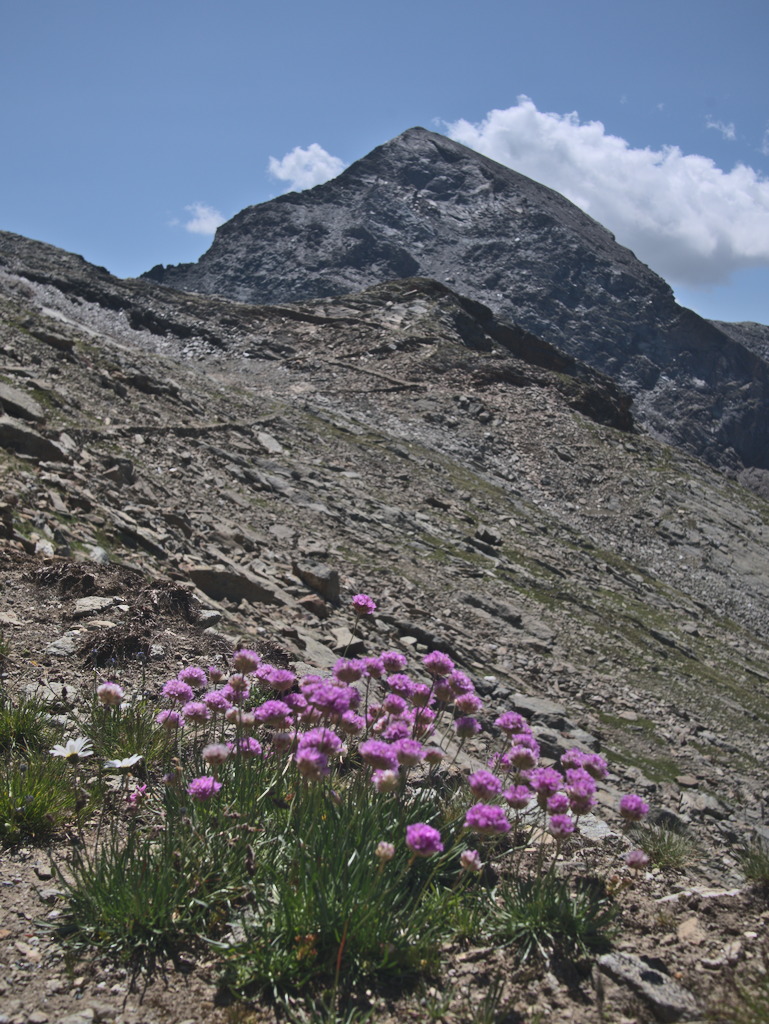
17,403
648,979
688,781
595,829
315,604
97,554
22,439
691,931
90,605
323,579
269,443
221,582
702,805
66,645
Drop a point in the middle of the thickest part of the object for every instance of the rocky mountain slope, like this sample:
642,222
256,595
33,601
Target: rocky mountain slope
491,493
424,205
181,473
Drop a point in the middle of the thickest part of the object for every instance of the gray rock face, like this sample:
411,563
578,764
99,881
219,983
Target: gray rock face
424,205
648,979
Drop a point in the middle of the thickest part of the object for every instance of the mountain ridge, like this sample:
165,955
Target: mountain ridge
423,205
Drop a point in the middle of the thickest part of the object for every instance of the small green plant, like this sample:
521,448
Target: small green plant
745,999
36,798
488,1008
541,914
754,860
25,727
122,729
667,846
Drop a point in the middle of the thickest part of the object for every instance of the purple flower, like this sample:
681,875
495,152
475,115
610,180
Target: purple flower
378,754
393,661
466,727
281,679
247,746
196,711
437,663
203,788
560,826
233,695
518,797
442,691
397,729
215,753
246,661
401,684
312,764
637,860
580,790
421,695
596,766
423,722
215,674
216,700
374,667
521,756
110,694
511,722
193,676
471,860
488,819
349,671
468,703
331,699
296,701
423,840
351,723
633,808
363,605
558,803
170,719
484,785
178,690
136,799
460,683
275,714
573,758
394,704
240,683
321,739
410,752
385,780
544,781
434,755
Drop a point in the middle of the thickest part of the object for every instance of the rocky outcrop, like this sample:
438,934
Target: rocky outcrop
424,205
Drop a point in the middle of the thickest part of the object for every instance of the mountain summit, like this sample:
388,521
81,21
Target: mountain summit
424,205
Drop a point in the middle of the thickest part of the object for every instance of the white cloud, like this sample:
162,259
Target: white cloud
303,168
689,220
204,220
727,130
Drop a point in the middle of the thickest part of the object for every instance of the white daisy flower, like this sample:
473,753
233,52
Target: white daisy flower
73,750
122,765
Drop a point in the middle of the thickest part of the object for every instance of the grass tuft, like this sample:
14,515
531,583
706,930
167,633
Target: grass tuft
542,915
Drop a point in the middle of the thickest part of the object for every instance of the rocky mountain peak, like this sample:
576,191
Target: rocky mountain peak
424,205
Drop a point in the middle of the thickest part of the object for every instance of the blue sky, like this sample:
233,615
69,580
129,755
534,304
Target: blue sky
124,126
